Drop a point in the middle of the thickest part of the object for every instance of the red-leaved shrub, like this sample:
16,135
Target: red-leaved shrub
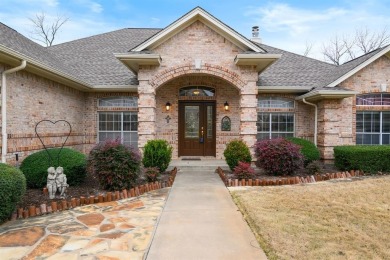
278,156
244,171
152,173
115,165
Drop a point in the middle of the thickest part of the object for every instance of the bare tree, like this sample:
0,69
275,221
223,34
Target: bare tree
342,49
368,41
308,48
335,50
45,32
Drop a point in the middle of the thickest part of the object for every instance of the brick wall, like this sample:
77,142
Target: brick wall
30,99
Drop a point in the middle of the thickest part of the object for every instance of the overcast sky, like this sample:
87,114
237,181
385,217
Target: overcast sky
283,24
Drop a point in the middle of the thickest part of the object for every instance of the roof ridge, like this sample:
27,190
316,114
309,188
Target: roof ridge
100,34
365,54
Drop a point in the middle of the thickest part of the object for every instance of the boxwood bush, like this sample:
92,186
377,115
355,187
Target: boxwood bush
116,166
308,149
369,158
34,166
157,153
236,151
12,189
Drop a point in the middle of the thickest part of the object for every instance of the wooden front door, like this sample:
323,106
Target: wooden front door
197,128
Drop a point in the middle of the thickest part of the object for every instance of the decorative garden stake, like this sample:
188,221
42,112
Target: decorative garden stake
56,179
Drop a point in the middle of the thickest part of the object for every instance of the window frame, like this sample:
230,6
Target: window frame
373,95
381,132
270,122
132,100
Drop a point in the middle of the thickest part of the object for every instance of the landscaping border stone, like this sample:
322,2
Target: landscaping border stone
286,180
71,203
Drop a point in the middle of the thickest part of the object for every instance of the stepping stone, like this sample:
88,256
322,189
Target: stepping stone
22,237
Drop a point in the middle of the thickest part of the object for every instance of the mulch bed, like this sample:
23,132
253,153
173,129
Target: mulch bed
90,187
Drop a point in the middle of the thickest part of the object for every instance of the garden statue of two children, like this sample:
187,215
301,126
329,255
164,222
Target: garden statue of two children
56,180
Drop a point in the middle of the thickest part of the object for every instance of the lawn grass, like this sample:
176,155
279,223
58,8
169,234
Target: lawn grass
327,220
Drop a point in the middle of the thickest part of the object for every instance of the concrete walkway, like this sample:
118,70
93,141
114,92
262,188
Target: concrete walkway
200,221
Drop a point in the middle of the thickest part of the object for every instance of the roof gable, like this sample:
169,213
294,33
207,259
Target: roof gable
350,68
198,14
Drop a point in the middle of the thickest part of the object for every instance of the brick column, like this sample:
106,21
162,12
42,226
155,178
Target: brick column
248,116
335,119
146,113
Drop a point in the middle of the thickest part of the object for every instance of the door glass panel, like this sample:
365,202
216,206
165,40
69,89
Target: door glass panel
191,117
209,122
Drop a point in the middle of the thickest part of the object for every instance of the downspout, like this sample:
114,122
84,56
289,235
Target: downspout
4,137
315,119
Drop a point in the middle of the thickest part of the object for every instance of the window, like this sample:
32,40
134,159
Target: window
118,102
275,102
372,127
380,99
123,125
273,125
197,91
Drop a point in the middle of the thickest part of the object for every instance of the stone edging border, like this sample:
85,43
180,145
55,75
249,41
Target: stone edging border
286,180
55,206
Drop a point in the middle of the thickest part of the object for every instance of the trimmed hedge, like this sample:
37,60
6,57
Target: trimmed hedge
308,149
12,189
369,158
34,166
236,151
157,153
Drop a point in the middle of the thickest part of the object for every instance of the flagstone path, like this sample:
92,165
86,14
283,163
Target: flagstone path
111,230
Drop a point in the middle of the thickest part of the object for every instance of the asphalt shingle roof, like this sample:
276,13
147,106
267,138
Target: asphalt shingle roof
93,59
295,70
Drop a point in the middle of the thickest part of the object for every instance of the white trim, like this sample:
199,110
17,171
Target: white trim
115,88
332,94
361,66
201,15
133,60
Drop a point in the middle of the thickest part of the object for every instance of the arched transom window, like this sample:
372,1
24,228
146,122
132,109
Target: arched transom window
379,99
197,91
118,102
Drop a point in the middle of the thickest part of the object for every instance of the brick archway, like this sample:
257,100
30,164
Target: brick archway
207,69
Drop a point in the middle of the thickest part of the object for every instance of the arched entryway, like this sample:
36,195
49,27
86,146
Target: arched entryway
192,125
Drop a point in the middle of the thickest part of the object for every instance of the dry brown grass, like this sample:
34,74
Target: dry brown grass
327,220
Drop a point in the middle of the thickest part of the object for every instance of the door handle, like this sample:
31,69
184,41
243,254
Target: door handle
201,135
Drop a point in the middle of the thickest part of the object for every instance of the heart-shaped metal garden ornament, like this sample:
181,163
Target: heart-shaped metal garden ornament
40,136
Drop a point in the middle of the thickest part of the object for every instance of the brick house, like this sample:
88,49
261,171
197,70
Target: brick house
196,83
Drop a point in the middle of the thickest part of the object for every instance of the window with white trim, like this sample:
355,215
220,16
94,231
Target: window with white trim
122,125
376,99
272,124
372,127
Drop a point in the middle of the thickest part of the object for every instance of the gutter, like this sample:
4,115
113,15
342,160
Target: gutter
4,137
315,119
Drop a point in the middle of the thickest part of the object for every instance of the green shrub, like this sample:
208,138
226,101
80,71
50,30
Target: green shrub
278,156
115,165
157,153
369,158
34,166
308,149
12,189
236,151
